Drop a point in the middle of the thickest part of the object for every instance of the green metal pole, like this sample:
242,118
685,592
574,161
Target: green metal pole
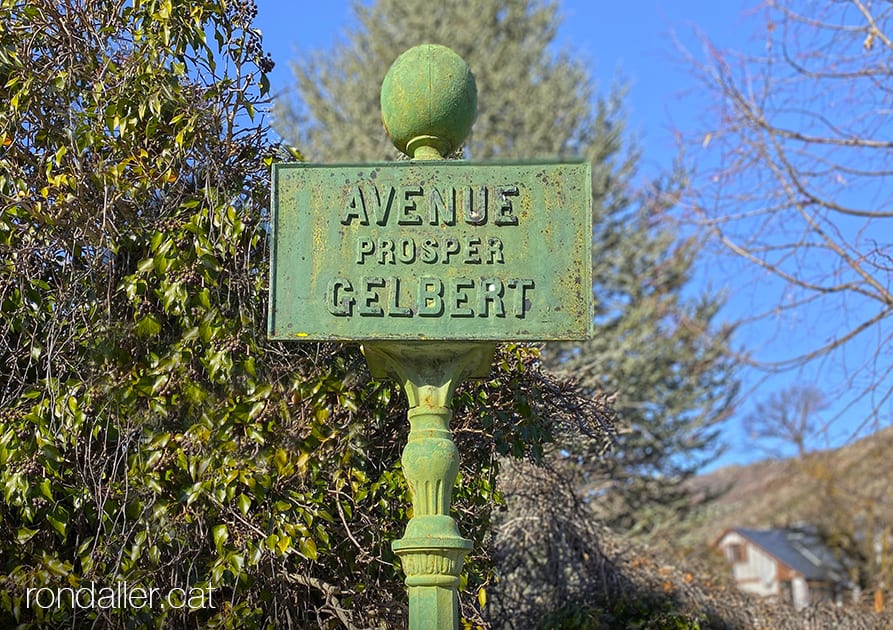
430,326
431,551
429,102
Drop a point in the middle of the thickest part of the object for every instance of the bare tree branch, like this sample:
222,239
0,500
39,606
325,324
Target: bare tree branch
794,168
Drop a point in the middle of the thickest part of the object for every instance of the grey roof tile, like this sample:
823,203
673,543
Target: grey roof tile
800,549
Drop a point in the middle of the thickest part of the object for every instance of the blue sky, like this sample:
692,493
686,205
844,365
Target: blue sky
634,41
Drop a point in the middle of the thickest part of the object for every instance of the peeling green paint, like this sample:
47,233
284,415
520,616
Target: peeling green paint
431,263
431,250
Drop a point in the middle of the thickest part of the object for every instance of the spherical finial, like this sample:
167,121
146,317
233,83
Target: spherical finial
428,101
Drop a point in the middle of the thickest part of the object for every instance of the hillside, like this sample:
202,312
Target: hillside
845,491
559,568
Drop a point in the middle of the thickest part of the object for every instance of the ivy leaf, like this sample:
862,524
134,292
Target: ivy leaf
148,326
220,534
308,548
24,534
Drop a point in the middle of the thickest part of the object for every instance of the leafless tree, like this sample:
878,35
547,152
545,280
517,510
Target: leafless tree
795,160
788,418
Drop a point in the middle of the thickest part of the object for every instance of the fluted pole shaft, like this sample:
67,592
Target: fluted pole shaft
431,551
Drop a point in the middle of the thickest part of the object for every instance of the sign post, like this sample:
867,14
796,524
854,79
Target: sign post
429,263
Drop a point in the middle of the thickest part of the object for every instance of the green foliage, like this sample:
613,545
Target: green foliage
149,433
656,343
658,348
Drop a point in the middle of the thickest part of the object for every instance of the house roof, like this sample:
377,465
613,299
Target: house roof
800,549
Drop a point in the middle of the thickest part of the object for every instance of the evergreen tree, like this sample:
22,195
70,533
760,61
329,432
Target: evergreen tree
658,349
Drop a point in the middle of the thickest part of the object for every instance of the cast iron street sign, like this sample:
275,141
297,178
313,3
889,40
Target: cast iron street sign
430,263
439,250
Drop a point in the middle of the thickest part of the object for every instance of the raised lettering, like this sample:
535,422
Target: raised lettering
369,306
490,293
430,297
429,250
475,213
415,205
340,302
409,212
487,297
451,247
394,308
381,209
365,247
494,251
521,303
458,287
355,207
472,251
406,251
505,213
438,211
386,252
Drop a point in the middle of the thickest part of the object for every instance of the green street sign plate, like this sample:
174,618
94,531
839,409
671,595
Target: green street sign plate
445,250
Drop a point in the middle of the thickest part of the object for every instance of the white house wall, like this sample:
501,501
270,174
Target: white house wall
759,573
